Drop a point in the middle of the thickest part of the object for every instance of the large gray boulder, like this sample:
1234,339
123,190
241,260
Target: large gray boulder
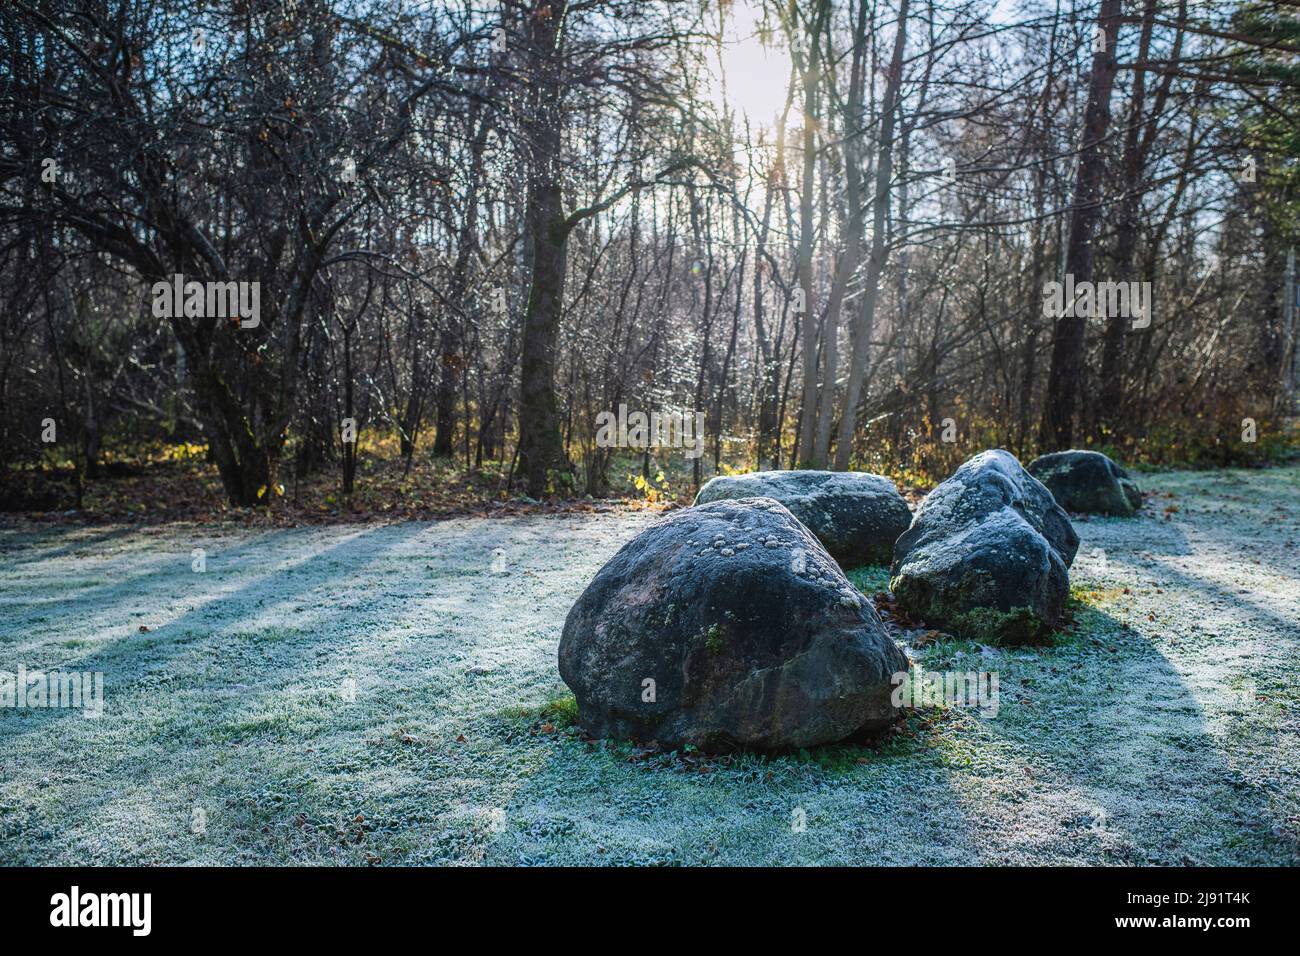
988,553
855,515
1087,482
727,626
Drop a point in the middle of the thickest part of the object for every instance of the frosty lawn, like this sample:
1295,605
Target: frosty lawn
377,694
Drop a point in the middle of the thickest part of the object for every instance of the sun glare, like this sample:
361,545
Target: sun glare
751,75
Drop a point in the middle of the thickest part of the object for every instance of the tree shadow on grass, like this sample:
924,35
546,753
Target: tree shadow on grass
21,545
1140,759
1112,761
191,706
237,709
156,580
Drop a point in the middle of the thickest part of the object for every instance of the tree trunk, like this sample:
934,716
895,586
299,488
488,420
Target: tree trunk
811,81
1133,166
445,395
1287,365
349,414
540,449
1065,375
866,316
244,464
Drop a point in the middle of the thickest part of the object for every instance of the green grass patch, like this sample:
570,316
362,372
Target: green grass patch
561,710
1018,626
869,579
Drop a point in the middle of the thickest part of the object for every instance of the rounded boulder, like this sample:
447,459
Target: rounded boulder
1087,482
988,552
857,516
727,626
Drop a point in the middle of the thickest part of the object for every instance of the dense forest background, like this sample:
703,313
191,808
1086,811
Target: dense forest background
827,225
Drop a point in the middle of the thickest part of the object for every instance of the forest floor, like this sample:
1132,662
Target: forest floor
387,693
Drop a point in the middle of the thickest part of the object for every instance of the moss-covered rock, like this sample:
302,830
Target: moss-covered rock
989,539
1020,625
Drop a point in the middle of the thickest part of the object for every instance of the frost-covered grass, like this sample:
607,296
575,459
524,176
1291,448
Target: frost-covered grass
374,693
